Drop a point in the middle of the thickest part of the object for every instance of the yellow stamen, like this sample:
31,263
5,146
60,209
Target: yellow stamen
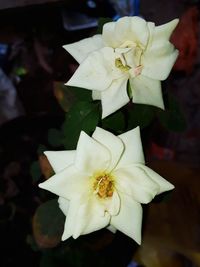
103,185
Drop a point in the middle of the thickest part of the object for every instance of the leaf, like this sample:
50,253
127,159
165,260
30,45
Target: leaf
82,116
101,22
55,137
172,118
140,115
80,94
48,223
114,122
35,171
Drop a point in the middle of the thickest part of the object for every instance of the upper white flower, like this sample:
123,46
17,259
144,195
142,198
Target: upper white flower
129,49
102,183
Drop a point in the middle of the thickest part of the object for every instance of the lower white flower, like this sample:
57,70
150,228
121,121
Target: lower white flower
102,183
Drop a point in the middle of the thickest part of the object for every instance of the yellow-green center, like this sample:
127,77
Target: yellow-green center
103,185
119,65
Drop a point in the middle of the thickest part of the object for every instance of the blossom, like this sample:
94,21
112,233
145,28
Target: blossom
103,183
130,49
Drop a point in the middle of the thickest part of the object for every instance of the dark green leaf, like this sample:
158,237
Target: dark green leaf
48,224
35,171
82,116
55,137
80,94
114,122
172,118
140,115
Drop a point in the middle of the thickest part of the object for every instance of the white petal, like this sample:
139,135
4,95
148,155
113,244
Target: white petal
63,205
112,205
114,97
157,61
146,91
112,143
164,185
129,219
126,29
96,95
96,72
164,31
112,229
91,156
133,152
80,50
136,183
67,183
60,159
90,217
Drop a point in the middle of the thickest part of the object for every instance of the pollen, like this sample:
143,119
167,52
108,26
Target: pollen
119,65
103,185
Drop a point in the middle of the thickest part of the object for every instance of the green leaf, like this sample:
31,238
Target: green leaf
48,223
101,22
82,116
140,115
114,122
55,137
35,171
172,118
80,94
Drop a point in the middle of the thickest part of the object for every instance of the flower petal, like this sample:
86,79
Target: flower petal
112,143
63,205
133,152
60,159
164,185
112,229
112,205
90,217
129,219
96,95
146,91
114,97
136,183
91,156
164,31
67,183
126,29
158,61
81,49
96,72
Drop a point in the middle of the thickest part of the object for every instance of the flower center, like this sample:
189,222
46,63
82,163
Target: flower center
119,65
103,185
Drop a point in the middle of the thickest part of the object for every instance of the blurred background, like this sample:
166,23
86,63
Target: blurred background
33,103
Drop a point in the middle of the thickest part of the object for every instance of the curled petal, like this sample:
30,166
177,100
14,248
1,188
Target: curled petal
164,31
112,143
136,183
146,91
158,61
97,71
67,183
63,205
133,29
91,156
133,152
60,159
90,217
81,49
114,97
129,219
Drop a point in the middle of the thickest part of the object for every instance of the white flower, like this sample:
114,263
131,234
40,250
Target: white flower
129,49
102,183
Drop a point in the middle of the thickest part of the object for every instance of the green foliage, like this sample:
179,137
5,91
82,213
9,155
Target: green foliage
172,118
115,122
140,115
35,171
55,137
48,224
82,116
